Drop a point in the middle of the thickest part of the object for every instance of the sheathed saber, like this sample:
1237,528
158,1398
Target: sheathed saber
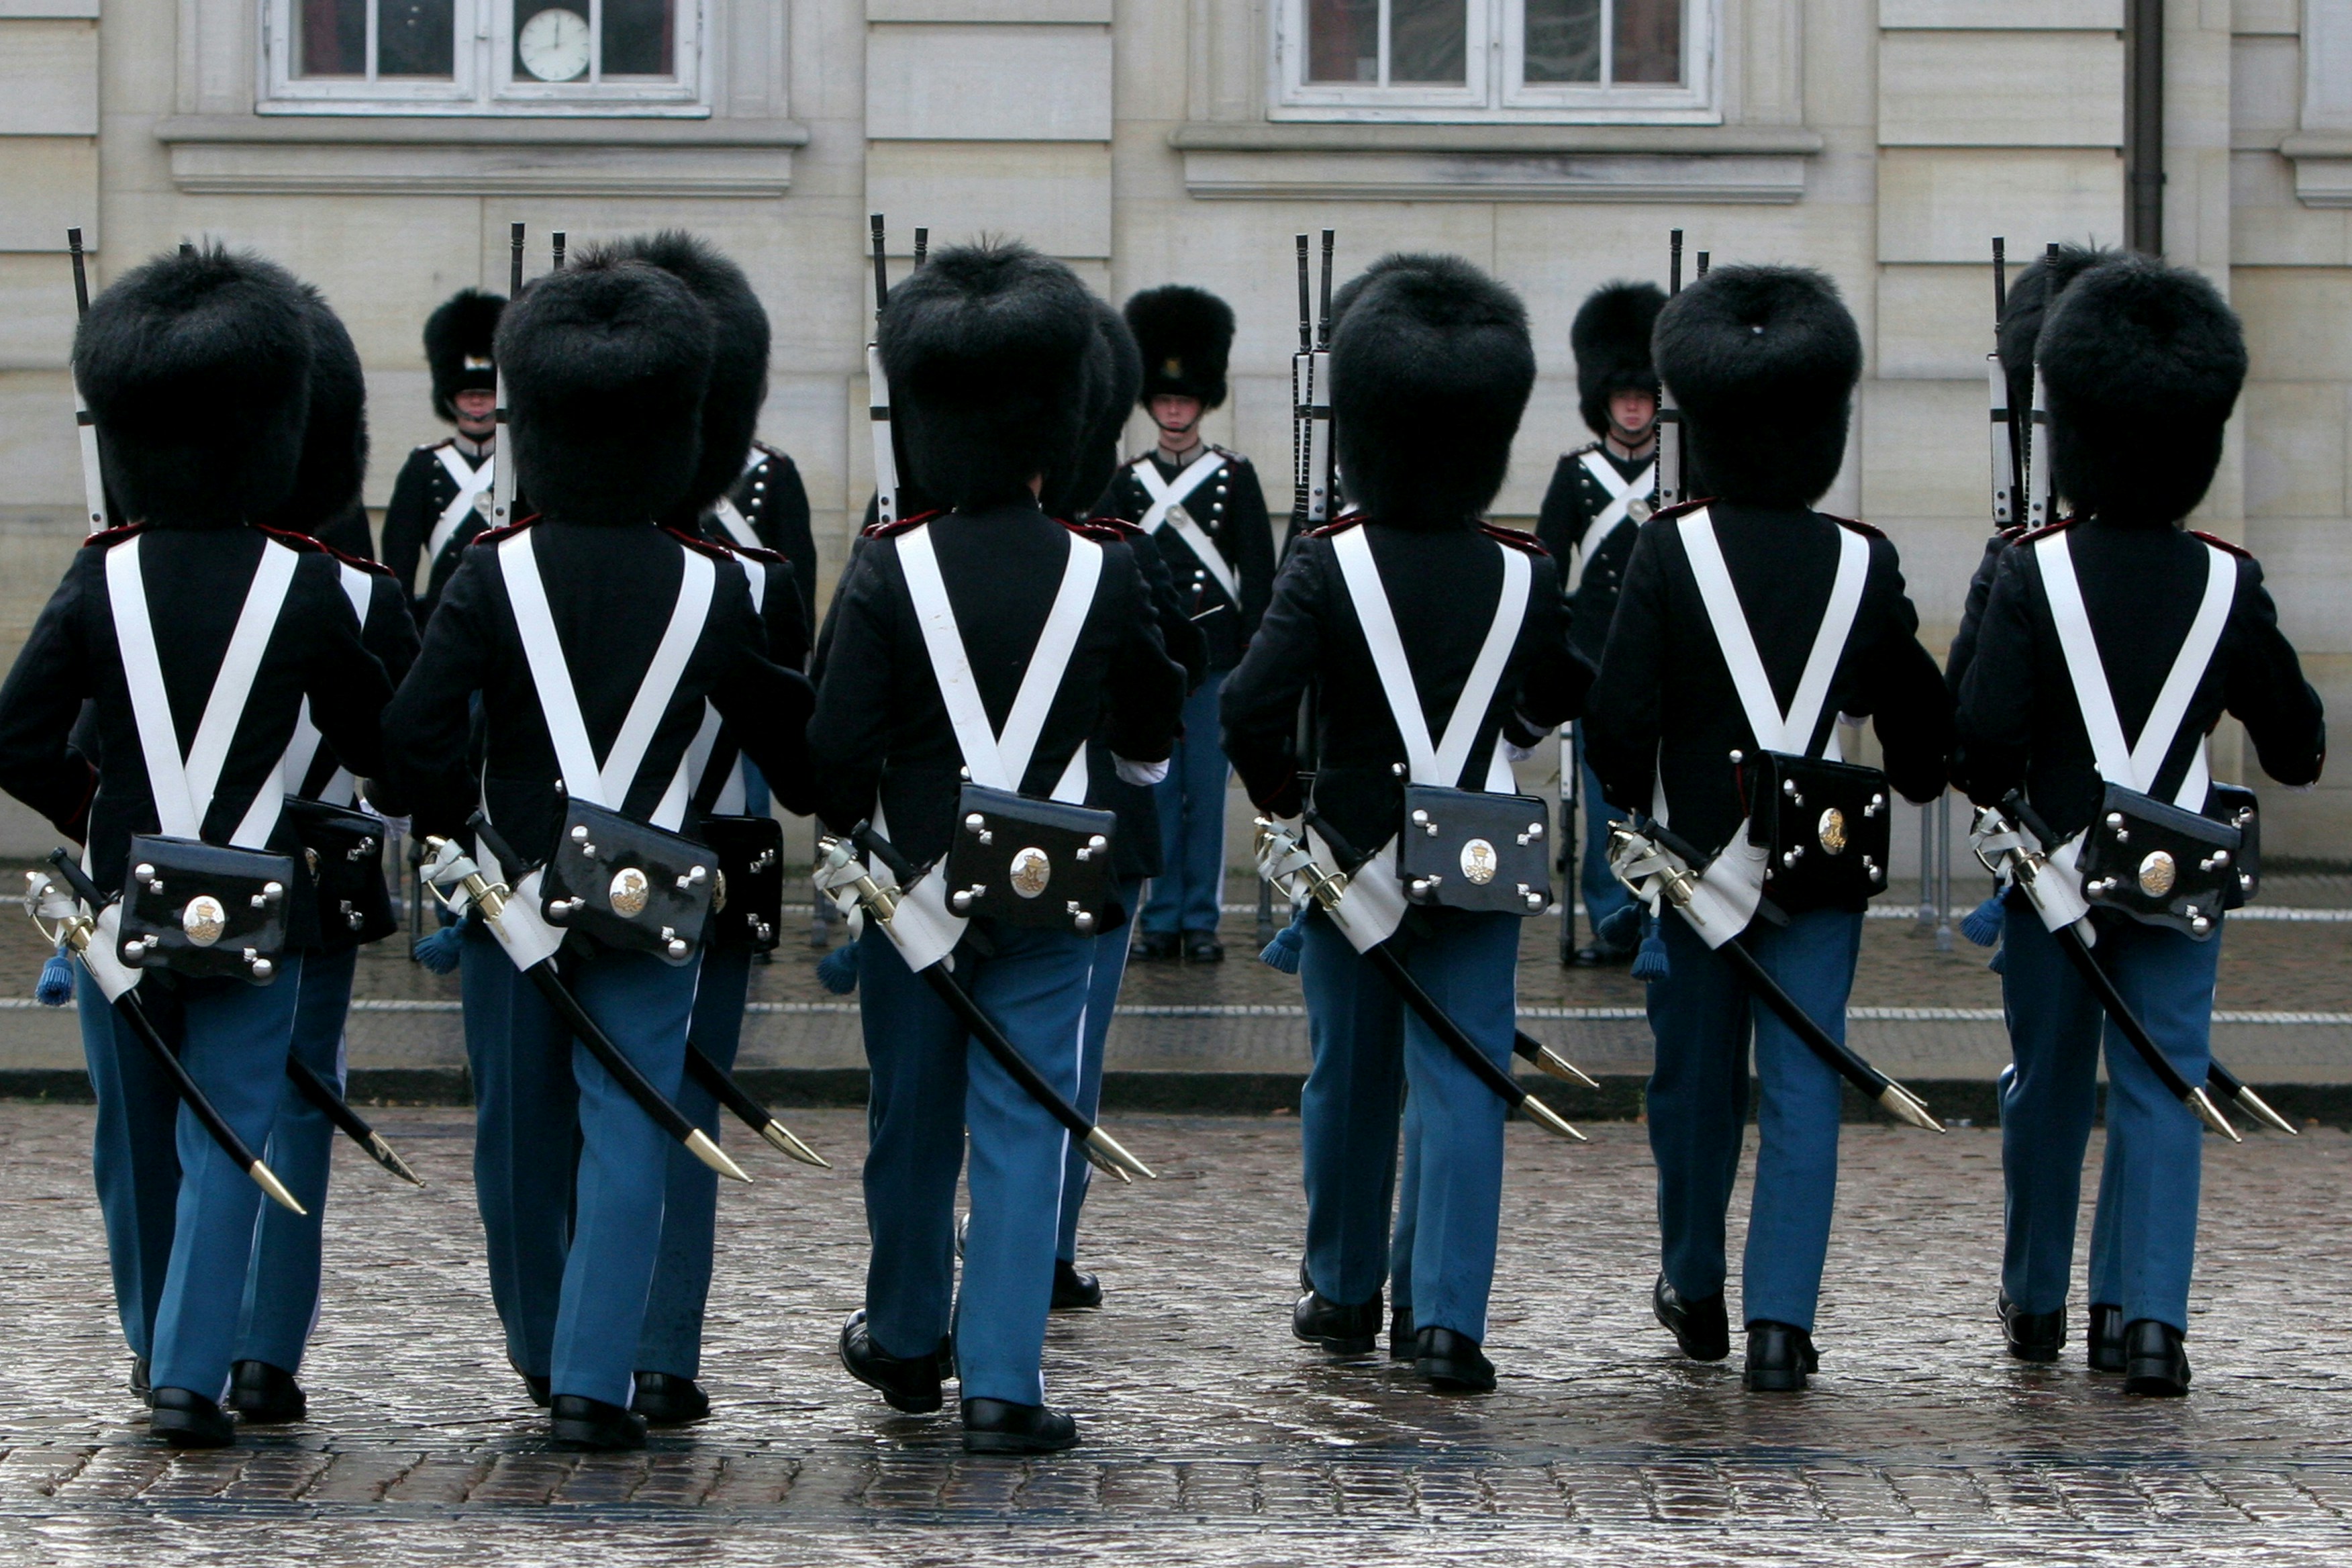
337,1109
493,899
2026,866
1676,883
1327,889
70,928
1102,1150
723,1088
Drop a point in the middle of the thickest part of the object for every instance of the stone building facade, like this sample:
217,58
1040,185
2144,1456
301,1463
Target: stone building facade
381,148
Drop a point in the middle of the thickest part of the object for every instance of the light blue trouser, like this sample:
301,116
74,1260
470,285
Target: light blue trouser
569,1171
1102,1001
1604,895
1702,1014
2144,1242
231,1038
933,1083
281,1289
1368,1052
672,1341
1189,892
135,1151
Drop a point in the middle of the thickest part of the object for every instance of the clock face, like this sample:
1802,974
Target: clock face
553,45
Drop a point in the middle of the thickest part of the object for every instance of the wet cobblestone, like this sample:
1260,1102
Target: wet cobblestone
1210,1436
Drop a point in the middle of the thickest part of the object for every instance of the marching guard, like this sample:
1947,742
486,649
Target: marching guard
1600,496
1421,630
441,498
597,641
2110,646
1746,625
201,642
1205,510
971,655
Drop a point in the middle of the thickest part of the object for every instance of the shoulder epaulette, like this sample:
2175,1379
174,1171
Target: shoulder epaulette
1125,528
106,538
1339,524
292,539
2223,545
436,446
1101,533
1856,524
891,529
1516,538
2012,534
494,535
712,548
373,568
1227,453
2045,531
1662,513
1591,446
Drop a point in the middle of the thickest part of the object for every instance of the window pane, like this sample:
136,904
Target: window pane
1563,40
1427,39
1343,40
638,38
551,40
1649,41
418,37
331,38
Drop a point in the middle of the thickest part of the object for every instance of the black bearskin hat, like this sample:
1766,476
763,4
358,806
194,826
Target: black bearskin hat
606,365
1186,336
335,437
1431,368
1113,374
197,371
1762,361
1611,339
2028,306
2142,362
986,347
739,365
459,339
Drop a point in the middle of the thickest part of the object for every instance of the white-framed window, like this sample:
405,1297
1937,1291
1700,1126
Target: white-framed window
1564,60
472,57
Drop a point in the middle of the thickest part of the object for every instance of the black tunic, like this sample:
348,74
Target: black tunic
2019,723
770,495
1231,510
1574,498
196,581
1569,506
421,493
1442,585
1664,700
881,730
610,591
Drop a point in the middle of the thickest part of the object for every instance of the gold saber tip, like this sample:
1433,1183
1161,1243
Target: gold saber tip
1908,1107
270,1184
780,1137
699,1144
389,1158
2259,1108
1559,1067
1545,1117
1108,1145
1105,1164
2210,1114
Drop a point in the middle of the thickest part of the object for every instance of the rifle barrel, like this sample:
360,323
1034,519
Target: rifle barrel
1305,302
1675,261
81,277
881,266
514,260
1323,325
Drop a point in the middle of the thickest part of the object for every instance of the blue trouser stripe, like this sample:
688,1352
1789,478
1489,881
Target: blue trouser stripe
1189,893
672,1341
1102,1000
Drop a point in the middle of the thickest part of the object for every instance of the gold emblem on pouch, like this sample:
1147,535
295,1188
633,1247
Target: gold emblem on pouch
1032,869
628,891
204,919
1832,831
1478,861
2156,874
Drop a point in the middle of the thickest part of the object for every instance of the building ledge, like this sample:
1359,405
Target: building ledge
480,154
2323,167
1484,163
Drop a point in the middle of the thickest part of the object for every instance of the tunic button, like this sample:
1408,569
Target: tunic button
759,485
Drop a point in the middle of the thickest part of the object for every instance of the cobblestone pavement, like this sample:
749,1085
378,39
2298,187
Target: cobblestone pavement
1210,1435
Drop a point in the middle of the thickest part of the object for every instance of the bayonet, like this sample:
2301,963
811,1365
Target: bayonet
1670,418
93,478
503,478
878,391
2004,449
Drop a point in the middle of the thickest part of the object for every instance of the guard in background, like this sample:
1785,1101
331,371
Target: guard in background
1431,367
766,507
669,1351
441,498
606,367
937,629
1762,362
196,369
2110,647
281,1293
1204,509
1600,496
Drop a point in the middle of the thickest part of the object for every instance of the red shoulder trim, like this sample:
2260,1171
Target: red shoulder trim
1339,524
2045,531
887,530
711,547
1680,509
107,538
2240,550
374,568
292,539
1126,528
1517,539
493,536
1101,533
1856,524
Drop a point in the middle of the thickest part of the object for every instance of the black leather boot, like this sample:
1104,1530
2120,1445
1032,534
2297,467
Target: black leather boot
186,1419
264,1395
2031,1336
1401,1338
1342,1331
2155,1362
665,1399
910,1384
1779,1357
139,1385
582,1424
2106,1336
1451,1361
1700,1326
1073,1291
1000,1427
